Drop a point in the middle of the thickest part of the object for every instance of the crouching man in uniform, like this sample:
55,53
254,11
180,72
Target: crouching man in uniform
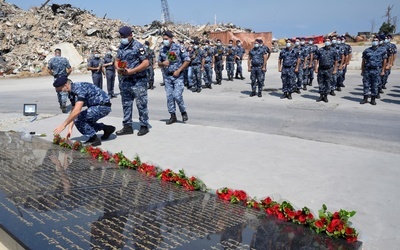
98,106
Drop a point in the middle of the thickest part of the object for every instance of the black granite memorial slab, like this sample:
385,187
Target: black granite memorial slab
55,198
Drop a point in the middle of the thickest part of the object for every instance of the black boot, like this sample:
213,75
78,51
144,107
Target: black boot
289,96
373,100
365,100
151,85
310,82
325,98
143,130
252,94
380,91
321,98
126,130
384,86
304,86
108,130
241,77
93,141
237,76
338,88
378,96
332,93
184,116
284,95
172,119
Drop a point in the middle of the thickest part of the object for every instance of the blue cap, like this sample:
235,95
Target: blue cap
168,34
61,81
125,31
382,37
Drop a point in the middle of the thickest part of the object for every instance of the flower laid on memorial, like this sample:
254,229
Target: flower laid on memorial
333,224
180,178
172,56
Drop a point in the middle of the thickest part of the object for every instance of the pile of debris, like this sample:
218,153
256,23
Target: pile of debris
28,38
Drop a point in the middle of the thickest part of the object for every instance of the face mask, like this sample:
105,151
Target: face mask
380,42
334,41
386,40
327,43
375,43
206,46
230,45
297,43
96,55
109,53
239,44
302,43
256,45
288,45
343,41
310,42
338,42
218,44
166,42
195,47
124,41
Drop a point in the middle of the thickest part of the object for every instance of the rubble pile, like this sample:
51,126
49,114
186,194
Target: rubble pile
28,38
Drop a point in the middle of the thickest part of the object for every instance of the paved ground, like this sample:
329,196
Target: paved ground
341,154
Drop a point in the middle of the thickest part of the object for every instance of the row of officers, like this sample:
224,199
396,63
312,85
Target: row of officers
135,64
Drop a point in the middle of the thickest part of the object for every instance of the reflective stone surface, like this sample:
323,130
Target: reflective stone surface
55,198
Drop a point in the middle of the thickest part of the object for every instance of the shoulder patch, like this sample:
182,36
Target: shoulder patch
141,51
182,49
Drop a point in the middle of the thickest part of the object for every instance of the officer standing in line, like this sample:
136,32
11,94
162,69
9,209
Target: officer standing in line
267,51
390,53
219,54
393,52
288,65
208,62
338,77
196,64
300,72
174,59
326,60
95,64
306,63
230,60
312,49
372,68
59,66
257,64
348,54
152,62
109,62
98,106
240,51
133,82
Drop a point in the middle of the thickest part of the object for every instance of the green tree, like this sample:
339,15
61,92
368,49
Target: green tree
387,28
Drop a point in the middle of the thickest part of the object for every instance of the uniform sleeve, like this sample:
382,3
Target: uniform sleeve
68,66
142,53
184,54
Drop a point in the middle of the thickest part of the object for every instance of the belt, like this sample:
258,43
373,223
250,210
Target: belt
171,73
287,67
108,104
326,67
373,67
194,64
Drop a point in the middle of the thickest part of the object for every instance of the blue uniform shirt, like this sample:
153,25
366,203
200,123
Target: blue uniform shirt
374,57
289,57
257,56
134,54
58,65
326,56
94,63
176,54
89,93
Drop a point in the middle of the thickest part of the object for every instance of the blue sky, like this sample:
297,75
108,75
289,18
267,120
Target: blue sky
288,18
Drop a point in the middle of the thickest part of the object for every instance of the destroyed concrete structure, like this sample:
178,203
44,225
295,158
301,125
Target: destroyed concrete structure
28,38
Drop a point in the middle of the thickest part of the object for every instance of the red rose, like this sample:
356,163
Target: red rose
319,224
269,210
268,200
302,218
330,228
241,195
349,231
281,216
335,222
336,215
351,239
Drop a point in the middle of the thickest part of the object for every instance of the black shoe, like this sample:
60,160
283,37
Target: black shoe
384,86
310,83
184,116
172,119
380,91
332,93
365,100
241,77
252,94
194,90
93,141
143,130
373,101
236,77
209,86
298,91
284,95
108,130
338,88
289,96
325,98
259,94
321,98
304,87
126,130
114,96
198,90
378,96
342,85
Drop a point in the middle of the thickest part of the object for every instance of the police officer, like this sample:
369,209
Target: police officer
219,57
95,64
299,74
59,66
230,60
240,51
174,59
196,64
326,60
288,65
109,62
338,77
312,48
208,63
372,68
256,66
348,53
152,59
306,62
390,54
267,51
98,106
133,81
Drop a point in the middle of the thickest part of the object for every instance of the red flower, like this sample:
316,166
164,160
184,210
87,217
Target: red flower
281,216
319,224
351,238
122,64
240,195
171,56
267,200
